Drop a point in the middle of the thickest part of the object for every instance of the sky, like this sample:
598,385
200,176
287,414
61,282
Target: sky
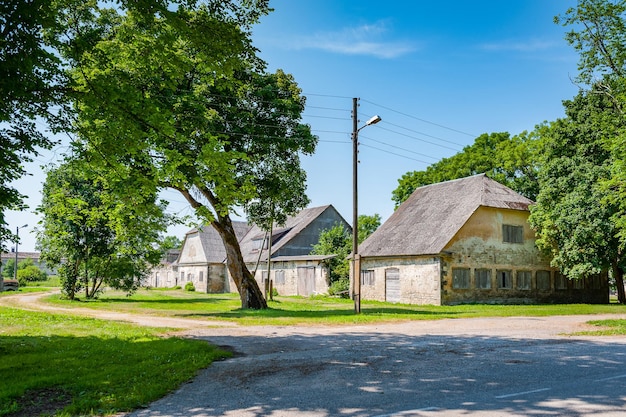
439,74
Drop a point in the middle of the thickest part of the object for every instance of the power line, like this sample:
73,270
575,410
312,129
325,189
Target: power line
421,120
416,138
397,147
396,154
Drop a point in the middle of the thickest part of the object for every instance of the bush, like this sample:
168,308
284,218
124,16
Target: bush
189,287
340,287
30,274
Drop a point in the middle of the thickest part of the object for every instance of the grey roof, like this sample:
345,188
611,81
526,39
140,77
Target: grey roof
433,214
212,243
303,258
292,227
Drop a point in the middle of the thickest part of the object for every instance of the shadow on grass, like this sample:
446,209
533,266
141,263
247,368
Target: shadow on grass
388,312
108,374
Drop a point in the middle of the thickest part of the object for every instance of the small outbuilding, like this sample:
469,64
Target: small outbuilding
465,241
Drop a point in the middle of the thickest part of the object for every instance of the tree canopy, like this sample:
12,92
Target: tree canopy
508,160
95,232
179,99
30,94
573,219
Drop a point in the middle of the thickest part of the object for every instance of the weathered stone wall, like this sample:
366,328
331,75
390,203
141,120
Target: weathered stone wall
290,271
419,279
479,245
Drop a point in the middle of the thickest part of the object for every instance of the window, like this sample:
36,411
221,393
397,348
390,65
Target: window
189,277
578,284
483,278
182,276
367,277
201,276
512,234
279,277
460,278
543,280
560,281
523,280
505,280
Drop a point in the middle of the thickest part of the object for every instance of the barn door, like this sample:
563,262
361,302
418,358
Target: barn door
392,285
306,280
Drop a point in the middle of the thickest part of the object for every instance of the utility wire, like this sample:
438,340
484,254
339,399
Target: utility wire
421,120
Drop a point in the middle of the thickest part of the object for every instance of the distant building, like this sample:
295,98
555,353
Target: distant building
35,256
293,271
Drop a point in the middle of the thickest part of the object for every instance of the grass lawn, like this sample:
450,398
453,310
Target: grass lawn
65,365
314,310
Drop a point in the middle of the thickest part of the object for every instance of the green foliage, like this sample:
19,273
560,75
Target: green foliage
335,241
599,36
30,85
95,234
8,270
25,263
368,225
340,287
508,160
190,107
170,242
574,216
30,273
48,351
190,287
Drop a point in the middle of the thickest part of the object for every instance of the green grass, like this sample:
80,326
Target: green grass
313,311
609,328
92,367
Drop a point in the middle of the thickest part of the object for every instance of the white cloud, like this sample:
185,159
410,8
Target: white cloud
361,40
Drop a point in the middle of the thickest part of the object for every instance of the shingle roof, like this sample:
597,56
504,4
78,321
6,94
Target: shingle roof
292,227
212,243
433,214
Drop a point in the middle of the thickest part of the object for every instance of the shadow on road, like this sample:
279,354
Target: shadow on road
381,374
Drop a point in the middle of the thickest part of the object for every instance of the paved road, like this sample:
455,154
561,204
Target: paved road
458,367
469,367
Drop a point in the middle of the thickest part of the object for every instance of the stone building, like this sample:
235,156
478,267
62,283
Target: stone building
293,271
465,241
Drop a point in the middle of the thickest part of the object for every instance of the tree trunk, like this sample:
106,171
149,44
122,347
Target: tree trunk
618,274
249,292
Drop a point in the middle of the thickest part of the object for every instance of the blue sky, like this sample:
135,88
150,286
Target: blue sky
438,73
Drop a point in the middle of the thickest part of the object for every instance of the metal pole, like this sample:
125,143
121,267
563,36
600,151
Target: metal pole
17,238
356,275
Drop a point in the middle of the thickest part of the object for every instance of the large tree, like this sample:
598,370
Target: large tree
573,218
180,97
96,232
508,160
598,33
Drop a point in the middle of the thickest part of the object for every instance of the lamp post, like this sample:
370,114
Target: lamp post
17,239
356,259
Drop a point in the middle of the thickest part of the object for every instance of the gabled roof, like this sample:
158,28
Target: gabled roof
433,214
212,243
282,234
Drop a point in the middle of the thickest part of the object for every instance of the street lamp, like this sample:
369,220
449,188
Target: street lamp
17,239
356,260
